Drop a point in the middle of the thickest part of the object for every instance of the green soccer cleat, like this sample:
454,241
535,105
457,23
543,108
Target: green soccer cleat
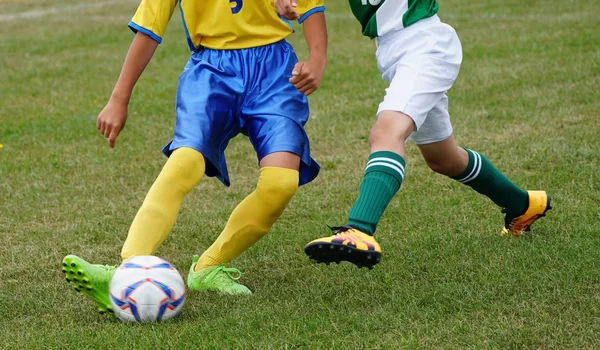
218,278
89,279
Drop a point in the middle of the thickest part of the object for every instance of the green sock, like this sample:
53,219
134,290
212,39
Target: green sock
484,178
383,177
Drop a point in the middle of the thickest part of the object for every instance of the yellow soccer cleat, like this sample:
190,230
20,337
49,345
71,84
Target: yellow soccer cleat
539,204
347,244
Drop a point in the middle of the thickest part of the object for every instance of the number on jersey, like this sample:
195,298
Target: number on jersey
238,5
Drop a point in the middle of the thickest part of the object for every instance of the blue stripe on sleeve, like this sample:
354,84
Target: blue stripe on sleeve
310,12
136,28
287,22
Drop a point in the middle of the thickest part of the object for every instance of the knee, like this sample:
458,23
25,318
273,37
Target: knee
391,127
277,186
186,168
445,166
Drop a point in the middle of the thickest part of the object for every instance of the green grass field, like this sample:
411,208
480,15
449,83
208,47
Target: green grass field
527,97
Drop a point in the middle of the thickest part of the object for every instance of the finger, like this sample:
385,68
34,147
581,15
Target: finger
297,73
284,8
98,123
292,14
295,79
112,137
298,68
289,10
309,91
304,85
102,127
108,130
303,80
279,8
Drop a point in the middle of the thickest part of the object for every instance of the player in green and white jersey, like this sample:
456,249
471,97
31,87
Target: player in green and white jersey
420,57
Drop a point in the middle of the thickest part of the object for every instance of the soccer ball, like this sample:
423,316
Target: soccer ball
146,289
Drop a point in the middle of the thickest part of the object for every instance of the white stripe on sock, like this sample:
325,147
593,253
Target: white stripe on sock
391,166
476,168
383,159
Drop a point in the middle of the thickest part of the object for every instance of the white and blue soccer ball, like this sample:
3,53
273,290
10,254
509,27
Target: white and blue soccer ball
146,289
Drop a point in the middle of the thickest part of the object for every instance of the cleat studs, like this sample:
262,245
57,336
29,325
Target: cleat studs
75,279
68,280
84,280
73,264
341,249
89,289
72,272
77,290
64,271
320,246
80,286
79,273
64,264
369,257
331,247
101,312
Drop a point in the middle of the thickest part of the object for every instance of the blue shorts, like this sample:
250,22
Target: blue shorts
222,93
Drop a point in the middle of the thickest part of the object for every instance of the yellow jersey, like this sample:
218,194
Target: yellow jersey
221,24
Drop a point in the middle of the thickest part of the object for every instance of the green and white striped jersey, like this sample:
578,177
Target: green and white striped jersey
378,17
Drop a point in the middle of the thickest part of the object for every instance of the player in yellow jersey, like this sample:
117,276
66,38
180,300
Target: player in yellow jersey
420,57
242,77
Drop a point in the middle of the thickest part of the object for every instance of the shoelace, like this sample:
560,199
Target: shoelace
340,229
231,272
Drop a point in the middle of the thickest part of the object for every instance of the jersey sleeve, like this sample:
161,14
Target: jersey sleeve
152,17
308,7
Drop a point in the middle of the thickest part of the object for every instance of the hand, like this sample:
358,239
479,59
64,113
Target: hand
307,75
286,9
112,120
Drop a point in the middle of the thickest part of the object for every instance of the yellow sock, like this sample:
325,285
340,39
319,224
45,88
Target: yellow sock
253,217
156,217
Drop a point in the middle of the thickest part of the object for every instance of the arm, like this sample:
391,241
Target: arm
112,118
307,75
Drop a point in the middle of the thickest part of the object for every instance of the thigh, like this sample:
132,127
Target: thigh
421,62
208,99
436,126
281,160
209,94
274,113
269,91
272,133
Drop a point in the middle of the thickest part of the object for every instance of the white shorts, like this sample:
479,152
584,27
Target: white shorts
421,63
